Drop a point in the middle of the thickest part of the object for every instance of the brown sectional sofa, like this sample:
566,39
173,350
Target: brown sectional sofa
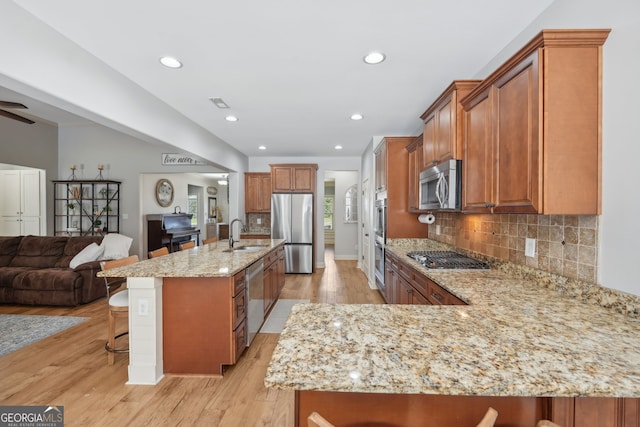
34,270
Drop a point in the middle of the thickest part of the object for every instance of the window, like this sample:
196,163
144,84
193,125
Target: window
328,212
192,208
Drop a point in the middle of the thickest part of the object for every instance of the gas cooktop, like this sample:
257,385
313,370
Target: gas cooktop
446,260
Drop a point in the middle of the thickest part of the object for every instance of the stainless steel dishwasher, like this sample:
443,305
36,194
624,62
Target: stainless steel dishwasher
255,290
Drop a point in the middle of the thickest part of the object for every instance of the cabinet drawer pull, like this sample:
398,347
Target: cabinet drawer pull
436,296
490,205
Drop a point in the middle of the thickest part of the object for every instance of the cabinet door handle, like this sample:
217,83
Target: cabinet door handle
490,205
436,296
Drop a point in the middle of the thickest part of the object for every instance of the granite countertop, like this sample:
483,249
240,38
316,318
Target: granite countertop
209,260
516,338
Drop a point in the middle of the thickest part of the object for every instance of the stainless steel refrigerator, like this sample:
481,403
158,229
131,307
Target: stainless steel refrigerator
292,220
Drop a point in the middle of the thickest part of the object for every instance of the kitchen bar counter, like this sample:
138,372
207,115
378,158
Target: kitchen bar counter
211,260
515,338
188,309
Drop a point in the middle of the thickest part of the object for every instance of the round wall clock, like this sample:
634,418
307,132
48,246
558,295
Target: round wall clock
164,193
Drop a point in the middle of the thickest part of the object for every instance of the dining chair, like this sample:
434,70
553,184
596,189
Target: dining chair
159,252
209,240
187,245
118,300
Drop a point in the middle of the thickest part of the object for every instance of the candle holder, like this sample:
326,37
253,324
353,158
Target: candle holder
100,169
72,177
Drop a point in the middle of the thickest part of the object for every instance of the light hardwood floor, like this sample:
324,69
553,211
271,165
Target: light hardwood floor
70,369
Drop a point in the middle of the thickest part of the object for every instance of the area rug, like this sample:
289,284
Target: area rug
17,330
278,316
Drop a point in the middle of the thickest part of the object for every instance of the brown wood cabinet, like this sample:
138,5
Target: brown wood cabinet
414,151
400,222
291,178
405,285
274,277
532,129
442,138
204,326
381,167
257,192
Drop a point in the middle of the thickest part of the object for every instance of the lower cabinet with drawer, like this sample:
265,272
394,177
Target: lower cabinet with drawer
204,322
408,286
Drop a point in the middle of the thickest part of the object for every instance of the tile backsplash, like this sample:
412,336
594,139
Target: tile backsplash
264,219
565,245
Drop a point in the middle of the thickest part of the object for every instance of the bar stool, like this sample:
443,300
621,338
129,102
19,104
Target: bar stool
187,245
118,300
159,252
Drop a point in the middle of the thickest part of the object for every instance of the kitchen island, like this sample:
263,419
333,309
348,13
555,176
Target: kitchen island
527,350
187,310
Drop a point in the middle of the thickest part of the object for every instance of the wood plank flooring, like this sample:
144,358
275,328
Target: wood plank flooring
70,368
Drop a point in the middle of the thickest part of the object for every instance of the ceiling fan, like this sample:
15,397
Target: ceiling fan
8,114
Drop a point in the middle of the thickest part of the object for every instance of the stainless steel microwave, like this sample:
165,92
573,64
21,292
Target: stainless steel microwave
441,187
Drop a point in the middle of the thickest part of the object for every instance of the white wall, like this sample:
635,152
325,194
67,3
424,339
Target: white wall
33,146
126,158
619,255
39,62
261,164
346,234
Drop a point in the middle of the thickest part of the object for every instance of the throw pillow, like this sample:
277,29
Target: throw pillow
115,246
90,253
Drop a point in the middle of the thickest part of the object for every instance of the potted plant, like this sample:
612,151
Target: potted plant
96,225
71,207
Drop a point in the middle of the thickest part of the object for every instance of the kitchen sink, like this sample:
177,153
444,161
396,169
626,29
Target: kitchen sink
254,248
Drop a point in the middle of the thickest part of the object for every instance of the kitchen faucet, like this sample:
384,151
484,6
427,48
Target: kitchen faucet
243,228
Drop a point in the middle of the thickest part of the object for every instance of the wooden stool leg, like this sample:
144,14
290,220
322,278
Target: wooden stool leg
111,338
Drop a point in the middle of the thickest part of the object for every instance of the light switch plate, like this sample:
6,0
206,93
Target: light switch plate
530,247
437,229
143,307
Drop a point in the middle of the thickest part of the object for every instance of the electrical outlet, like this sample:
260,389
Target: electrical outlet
259,221
143,307
530,247
437,229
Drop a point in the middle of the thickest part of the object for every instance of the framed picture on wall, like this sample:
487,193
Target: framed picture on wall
164,193
213,207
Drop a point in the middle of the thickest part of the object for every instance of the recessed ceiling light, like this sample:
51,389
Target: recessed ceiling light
374,58
231,118
218,102
262,147
338,147
356,116
170,62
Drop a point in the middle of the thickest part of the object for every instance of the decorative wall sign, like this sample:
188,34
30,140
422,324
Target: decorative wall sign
164,193
176,159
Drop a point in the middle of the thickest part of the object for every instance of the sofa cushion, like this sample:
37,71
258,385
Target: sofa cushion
48,279
88,254
74,246
7,274
116,246
8,248
39,251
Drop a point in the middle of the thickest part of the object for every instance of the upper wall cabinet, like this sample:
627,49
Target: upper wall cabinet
415,167
532,129
257,192
442,138
292,178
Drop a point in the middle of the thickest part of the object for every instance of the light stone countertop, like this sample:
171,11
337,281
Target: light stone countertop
516,338
209,260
